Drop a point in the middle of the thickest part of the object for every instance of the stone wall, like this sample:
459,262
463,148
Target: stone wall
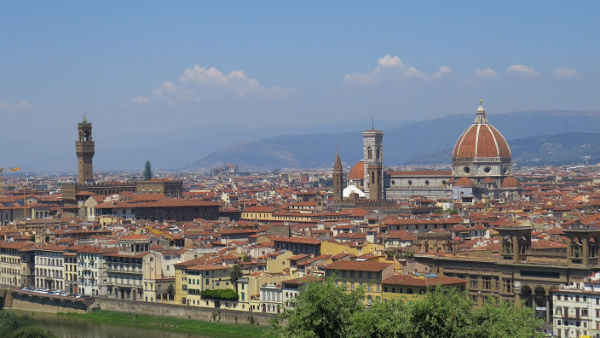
181,311
25,301
20,301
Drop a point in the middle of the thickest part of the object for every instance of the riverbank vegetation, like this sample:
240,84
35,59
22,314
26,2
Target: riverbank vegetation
325,309
179,325
21,326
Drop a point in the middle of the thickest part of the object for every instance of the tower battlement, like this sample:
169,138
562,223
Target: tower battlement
84,149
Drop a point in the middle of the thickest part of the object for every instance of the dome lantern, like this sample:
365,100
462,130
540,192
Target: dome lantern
480,118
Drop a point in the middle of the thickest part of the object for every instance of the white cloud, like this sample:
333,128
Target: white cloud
414,73
199,83
444,70
140,100
392,67
565,73
521,69
485,73
23,105
389,61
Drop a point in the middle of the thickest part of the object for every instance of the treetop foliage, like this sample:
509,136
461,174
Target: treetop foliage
325,309
224,294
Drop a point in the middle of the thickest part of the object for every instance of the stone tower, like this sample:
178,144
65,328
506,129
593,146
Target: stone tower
338,179
84,148
514,242
373,162
375,172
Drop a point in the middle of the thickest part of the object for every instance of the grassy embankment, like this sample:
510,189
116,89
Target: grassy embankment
179,325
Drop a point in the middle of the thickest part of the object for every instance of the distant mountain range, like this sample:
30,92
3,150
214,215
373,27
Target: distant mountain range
560,149
535,137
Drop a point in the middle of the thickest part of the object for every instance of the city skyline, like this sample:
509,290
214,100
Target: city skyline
198,77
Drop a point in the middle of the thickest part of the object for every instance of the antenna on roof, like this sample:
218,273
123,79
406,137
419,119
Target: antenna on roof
372,122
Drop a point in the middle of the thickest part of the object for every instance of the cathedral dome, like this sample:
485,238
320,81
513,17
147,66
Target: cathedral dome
481,141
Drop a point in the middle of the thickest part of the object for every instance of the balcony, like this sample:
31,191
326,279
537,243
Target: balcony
572,316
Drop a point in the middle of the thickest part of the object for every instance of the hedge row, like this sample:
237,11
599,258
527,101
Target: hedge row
224,294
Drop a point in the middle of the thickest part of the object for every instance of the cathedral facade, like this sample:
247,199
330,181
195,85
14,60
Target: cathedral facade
481,168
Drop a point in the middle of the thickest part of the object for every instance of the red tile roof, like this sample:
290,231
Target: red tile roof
410,280
358,266
302,240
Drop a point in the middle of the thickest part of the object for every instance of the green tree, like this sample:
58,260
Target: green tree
328,310
148,171
323,309
235,273
503,319
384,319
443,312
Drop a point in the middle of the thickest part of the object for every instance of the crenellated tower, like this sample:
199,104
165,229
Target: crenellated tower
85,149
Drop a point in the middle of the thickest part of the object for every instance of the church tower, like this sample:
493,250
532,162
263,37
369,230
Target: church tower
375,172
373,163
84,148
338,179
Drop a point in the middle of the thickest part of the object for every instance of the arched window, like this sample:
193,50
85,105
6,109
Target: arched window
378,153
369,153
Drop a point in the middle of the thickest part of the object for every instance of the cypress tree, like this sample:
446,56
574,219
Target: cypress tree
147,171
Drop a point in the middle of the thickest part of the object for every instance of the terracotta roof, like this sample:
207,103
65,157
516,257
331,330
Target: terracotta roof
298,257
259,209
410,280
510,182
402,235
357,172
304,240
488,180
358,266
464,182
201,267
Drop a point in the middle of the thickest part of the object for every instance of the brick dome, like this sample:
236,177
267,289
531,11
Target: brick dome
464,182
481,140
510,182
357,172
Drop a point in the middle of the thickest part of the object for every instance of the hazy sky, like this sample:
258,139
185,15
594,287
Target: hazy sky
173,81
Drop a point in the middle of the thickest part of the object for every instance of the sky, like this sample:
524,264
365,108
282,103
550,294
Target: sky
173,81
